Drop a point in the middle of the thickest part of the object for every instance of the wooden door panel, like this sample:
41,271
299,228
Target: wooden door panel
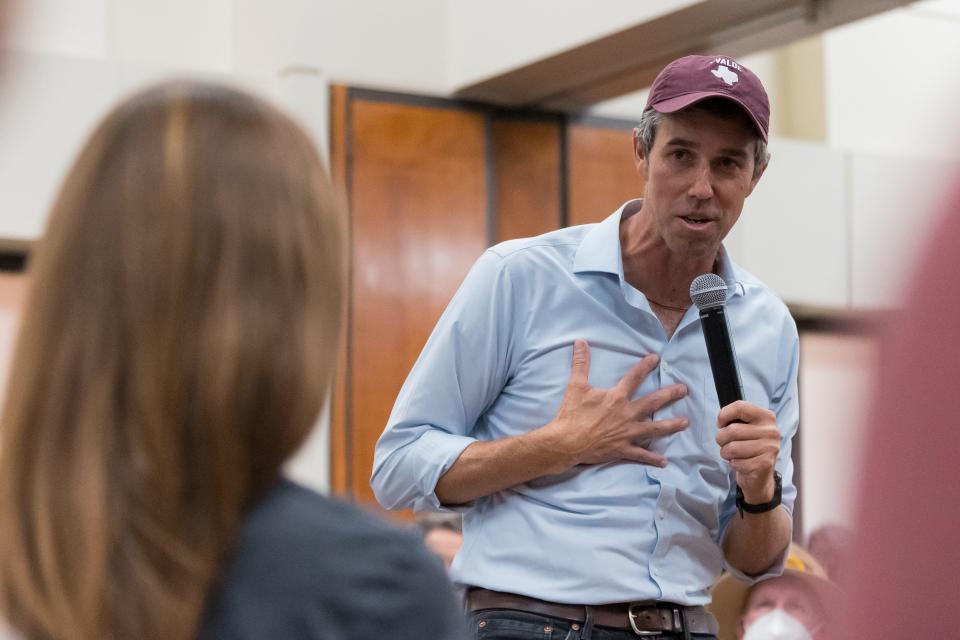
418,200
528,176
601,174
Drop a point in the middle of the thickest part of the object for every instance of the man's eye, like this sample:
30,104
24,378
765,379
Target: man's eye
681,154
728,163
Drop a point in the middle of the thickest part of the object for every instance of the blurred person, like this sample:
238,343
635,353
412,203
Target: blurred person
570,368
904,569
797,605
831,545
442,533
177,345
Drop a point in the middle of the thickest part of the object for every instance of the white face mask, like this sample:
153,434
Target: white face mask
777,625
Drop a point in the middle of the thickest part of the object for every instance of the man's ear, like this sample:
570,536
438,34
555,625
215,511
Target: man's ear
758,174
640,159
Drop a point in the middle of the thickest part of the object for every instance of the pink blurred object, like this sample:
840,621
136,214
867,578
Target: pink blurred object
904,579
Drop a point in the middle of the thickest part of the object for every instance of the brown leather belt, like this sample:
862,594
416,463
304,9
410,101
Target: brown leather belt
644,618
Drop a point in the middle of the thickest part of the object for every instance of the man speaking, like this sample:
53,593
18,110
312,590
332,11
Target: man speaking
565,402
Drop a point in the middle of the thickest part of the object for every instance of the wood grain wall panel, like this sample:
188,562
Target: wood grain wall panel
418,196
601,174
528,177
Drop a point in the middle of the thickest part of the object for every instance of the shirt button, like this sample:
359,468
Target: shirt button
575,626
661,515
655,571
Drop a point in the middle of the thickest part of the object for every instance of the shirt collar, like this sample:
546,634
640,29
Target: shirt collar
730,273
599,251
600,248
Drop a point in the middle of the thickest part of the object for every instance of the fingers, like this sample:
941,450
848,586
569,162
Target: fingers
741,432
629,383
750,449
653,402
742,411
631,380
659,428
580,368
747,449
644,432
639,454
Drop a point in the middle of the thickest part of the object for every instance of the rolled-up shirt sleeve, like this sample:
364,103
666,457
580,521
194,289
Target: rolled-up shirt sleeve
460,372
786,405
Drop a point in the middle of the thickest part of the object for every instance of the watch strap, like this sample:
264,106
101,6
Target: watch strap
743,505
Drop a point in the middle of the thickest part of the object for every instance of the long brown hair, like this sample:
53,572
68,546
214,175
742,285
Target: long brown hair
177,345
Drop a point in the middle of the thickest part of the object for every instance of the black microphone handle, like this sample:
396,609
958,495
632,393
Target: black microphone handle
723,361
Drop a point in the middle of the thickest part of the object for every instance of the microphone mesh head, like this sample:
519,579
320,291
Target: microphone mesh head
708,291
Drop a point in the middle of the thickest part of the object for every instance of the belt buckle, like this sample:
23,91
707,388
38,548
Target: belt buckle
632,617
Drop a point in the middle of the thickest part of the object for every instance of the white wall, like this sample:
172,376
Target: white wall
893,82
794,229
66,27
894,202
50,102
181,34
378,43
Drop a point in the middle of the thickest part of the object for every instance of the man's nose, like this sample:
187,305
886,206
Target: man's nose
701,188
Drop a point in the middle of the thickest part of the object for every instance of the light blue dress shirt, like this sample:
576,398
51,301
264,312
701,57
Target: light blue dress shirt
497,365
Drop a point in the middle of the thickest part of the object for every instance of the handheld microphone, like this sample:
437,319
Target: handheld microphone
709,293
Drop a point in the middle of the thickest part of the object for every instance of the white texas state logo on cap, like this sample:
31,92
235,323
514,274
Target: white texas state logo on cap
725,74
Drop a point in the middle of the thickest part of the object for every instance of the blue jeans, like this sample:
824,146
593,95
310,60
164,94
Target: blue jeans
507,624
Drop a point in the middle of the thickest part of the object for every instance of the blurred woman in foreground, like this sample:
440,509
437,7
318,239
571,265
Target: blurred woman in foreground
177,346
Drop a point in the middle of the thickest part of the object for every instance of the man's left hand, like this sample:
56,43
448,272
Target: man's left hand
750,441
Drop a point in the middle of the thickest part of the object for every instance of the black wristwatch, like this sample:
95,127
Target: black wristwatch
743,505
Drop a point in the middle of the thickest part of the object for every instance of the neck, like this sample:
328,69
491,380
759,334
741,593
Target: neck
659,272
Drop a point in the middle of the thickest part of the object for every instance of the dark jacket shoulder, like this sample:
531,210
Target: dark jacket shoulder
306,566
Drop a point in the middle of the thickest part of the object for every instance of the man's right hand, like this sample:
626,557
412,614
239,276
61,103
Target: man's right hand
592,426
602,425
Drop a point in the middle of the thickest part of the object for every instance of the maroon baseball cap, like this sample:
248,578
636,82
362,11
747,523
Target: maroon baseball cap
694,78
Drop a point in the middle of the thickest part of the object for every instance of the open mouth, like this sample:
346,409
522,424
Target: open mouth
696,221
